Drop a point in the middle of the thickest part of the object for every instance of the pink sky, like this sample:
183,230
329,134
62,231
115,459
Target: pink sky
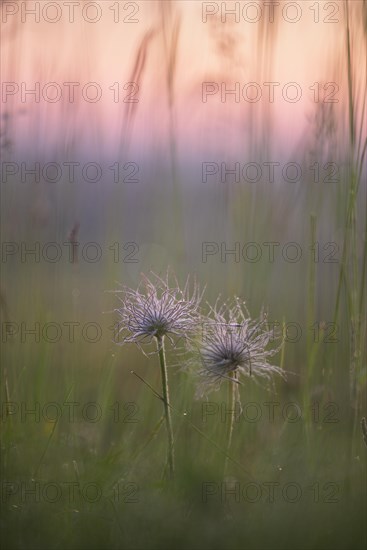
304,52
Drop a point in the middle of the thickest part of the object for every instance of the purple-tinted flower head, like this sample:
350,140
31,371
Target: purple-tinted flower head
157,309
234,345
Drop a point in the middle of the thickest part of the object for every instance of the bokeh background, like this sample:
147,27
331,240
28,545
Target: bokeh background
148,145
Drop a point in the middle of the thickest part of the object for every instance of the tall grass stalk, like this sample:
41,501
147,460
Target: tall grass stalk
312,346
350,277
171,27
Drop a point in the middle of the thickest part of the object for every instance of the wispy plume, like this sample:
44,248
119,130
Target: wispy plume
234,346
157,309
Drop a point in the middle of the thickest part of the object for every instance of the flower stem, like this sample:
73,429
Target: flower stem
167,410
231,399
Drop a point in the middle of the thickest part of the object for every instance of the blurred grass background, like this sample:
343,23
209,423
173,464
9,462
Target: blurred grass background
169,214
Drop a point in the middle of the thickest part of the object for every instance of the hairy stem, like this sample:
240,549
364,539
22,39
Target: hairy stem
231,400
167,410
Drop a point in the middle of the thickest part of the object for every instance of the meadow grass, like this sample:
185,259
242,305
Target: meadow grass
123,450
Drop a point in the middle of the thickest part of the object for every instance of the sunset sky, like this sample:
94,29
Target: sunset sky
226,53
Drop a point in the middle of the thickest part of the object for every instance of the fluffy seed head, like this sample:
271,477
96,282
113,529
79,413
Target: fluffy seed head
156,309
233,344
